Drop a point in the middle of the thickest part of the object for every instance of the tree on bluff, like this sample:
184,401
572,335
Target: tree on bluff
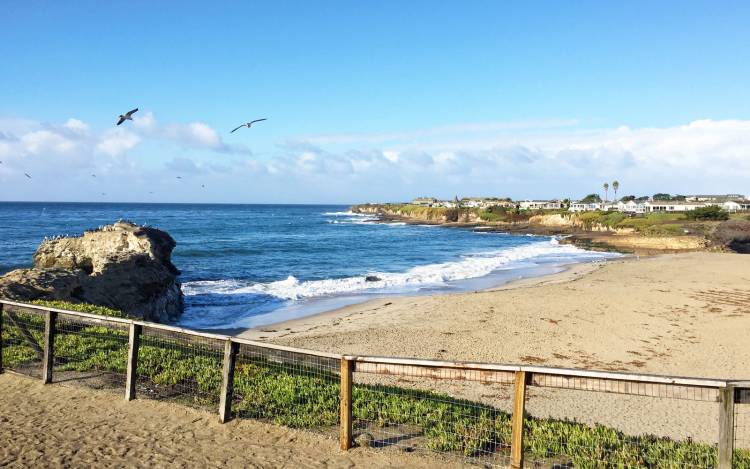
591,199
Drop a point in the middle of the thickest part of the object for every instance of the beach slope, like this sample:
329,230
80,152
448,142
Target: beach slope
680,314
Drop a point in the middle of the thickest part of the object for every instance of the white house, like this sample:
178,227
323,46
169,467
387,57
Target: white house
672,206
424,201
631,206
581,207
540,205
712,197
736,205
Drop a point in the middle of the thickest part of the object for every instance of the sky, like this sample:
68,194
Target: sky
371,100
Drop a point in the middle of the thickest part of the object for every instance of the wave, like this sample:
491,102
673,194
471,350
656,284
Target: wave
346,214
350,218
470,266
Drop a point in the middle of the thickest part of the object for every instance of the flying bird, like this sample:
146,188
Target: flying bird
179,177
93,175
27,175
127,117
248,124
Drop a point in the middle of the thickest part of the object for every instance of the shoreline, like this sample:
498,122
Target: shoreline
281,329
677,314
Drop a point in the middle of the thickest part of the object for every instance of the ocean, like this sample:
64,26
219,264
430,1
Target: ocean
251,265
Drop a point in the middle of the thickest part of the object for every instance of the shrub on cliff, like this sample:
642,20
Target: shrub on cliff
712,212
734,234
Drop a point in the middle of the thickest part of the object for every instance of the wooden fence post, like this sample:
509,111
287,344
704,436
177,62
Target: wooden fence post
726,427
49,346
519,406
1,337
345,429
134,342
227,381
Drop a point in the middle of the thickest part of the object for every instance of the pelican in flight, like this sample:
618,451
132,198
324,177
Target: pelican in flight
127,117
248,124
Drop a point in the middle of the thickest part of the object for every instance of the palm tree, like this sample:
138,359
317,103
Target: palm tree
615,186
606,191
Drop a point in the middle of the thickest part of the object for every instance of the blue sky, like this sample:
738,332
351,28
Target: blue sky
372,100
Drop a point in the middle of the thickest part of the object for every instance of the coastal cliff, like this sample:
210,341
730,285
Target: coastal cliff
592,230
122,266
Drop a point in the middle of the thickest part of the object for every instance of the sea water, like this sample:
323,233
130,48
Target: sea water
251,265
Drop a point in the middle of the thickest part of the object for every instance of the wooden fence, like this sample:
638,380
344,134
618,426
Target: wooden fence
725,393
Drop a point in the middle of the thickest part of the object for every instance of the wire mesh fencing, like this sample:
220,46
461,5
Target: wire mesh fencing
179,367
287,388
576,427
463,411
741,457
90,353
462,414
23,340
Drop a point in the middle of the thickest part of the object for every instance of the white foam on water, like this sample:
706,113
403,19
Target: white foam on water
350,218
470,266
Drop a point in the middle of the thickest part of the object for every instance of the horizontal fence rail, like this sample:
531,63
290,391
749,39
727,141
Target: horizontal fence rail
481,411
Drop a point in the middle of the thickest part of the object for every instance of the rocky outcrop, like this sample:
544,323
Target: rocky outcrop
122,266
573,221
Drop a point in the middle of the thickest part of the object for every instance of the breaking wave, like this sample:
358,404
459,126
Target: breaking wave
468,267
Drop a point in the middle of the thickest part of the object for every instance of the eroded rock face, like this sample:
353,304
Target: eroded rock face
122,266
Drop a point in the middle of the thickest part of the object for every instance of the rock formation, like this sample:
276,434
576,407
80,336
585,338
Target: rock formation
122,266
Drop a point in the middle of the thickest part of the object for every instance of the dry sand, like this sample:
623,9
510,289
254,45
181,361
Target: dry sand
63,426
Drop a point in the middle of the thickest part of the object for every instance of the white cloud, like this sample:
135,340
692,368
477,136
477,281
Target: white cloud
22,138
195,135
76,126
116,142
517,161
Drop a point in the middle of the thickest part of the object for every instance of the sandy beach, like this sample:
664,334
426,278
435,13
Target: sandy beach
678,314
681,314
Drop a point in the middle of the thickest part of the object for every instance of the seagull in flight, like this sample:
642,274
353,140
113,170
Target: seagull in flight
179,177
93,175
27,175
127,117
248,124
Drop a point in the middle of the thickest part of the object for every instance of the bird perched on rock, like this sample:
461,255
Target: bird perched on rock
127,117
248,124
